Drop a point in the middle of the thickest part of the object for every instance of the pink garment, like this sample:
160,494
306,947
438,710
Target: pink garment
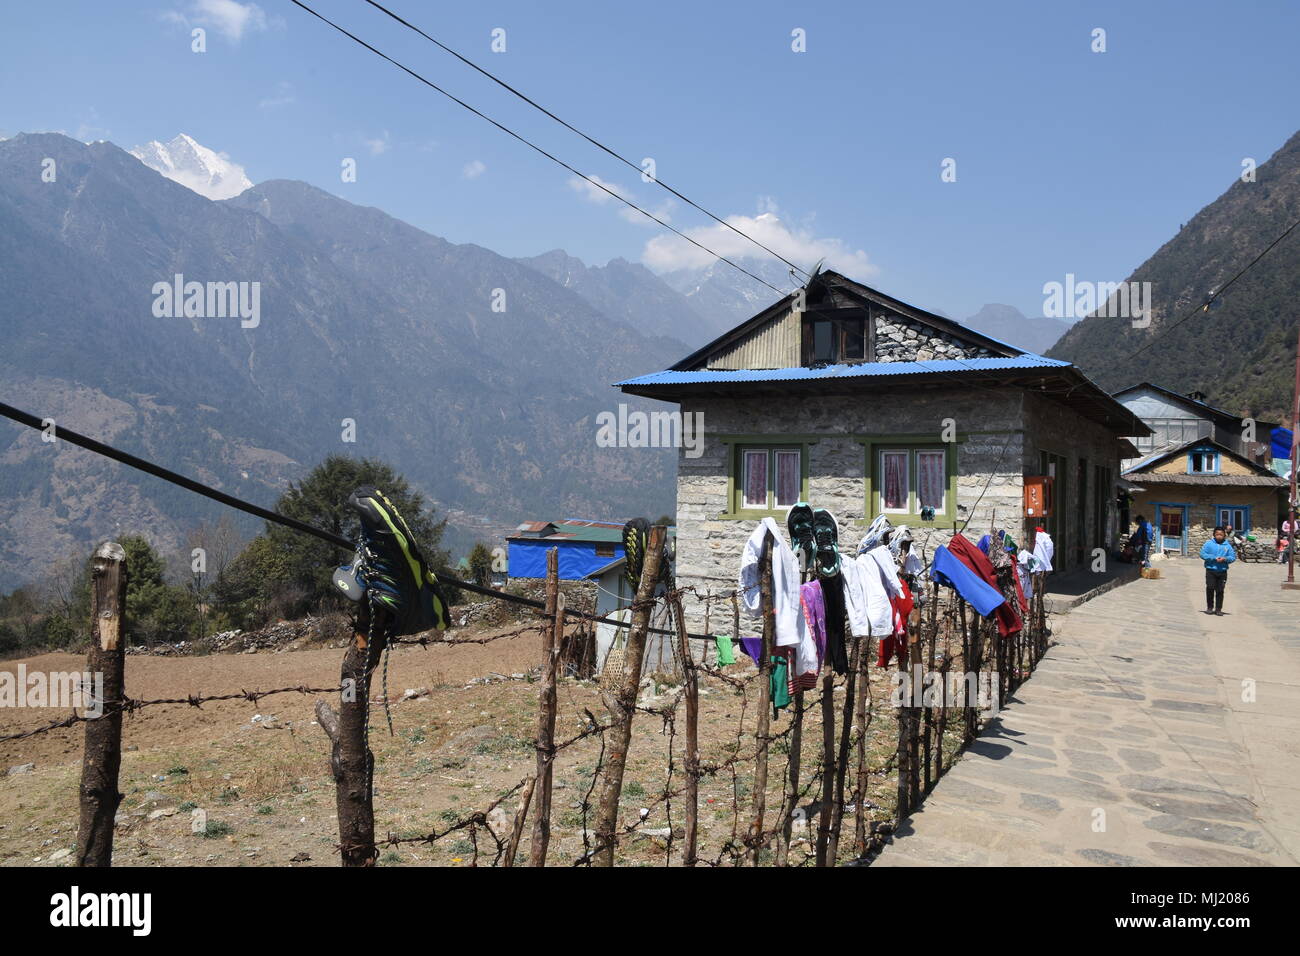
813,603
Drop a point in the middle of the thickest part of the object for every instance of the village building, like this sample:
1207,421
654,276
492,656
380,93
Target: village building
583,547
1174,419
859,403
1188,488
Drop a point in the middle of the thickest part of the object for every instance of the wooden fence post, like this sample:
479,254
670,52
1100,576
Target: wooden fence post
102,759
842,761
828,765
623,706
691,690
552,639
764,723
351,761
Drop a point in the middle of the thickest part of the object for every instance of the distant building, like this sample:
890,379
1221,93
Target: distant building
1174,419
584,547
1187,488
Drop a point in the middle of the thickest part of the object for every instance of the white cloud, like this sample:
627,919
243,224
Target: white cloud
228,17
378,146
283,96
666,253
590,190
474,169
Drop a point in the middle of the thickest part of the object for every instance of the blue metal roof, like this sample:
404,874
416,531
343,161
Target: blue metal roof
860,370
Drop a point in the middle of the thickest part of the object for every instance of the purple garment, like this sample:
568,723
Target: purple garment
813,602
753,646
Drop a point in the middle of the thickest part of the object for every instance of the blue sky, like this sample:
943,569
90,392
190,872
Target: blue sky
1067,161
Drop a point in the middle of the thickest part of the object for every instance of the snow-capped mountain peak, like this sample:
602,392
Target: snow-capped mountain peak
194,166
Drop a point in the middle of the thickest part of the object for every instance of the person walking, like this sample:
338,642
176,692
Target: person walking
1217,555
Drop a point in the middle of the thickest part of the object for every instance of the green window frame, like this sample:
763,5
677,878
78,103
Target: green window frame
912,457
743,456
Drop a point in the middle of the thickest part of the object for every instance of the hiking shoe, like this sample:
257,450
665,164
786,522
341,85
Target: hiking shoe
636,538
826,535
799,522
391,568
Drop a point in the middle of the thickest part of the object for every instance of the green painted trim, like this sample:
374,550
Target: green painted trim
734,446
871,448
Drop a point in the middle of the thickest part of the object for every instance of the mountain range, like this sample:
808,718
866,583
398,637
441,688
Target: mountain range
1241,351
363,319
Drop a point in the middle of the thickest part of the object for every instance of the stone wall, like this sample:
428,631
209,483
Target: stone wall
1058,430
902,340
1202,510
989,459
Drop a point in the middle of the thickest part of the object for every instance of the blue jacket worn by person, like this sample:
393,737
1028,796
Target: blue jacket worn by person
948,571
1214,550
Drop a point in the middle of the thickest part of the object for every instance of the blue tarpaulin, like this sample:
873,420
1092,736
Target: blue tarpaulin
1282,440
577,558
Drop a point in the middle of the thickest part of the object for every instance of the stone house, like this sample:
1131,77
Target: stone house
1187,488
844,397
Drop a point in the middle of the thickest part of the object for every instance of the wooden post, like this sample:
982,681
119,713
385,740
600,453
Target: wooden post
553,638
828,766
914,724
792,782
517,829
102,760
933,637
691,690
860,719
623,706
764,723
351,761
842,761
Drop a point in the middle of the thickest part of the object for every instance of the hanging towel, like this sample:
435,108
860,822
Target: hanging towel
813,599
753,646
785,582
975,560
726,653
949,572
1044,550
866,600
780,686
836,653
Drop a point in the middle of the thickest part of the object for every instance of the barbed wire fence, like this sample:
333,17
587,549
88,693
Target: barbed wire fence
814,787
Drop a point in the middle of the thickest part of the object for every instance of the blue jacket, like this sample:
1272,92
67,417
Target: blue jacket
1214,550
948,570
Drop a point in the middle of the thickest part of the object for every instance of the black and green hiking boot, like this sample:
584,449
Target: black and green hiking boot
636,538
826,535
391,568
799,522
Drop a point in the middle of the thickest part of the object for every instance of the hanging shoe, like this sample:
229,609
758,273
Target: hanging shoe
799,522
391,568
636,537
826,535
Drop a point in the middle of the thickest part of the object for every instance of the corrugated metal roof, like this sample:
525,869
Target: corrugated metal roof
860,370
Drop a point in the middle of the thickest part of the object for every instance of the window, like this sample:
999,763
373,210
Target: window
909,479
604,550
770,478
1234,517
835,336
1203,461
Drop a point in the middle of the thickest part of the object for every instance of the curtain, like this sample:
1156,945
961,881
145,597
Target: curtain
756,479
787,477
930,479
895,487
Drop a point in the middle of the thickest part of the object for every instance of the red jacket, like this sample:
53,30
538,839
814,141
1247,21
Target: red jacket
975,559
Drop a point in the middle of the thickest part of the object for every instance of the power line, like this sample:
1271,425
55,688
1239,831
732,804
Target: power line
593,141
338,541
1217,292
527,142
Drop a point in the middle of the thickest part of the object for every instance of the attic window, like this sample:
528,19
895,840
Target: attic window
835,337
1203,462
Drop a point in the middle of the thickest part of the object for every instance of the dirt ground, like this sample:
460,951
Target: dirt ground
265,787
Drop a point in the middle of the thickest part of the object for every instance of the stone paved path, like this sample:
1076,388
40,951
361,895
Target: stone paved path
1136,743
